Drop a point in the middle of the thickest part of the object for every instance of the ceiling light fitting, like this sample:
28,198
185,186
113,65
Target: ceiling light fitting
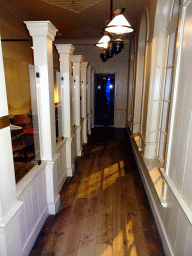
117,27
104,42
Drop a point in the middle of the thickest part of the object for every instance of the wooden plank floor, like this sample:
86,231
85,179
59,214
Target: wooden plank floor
104,209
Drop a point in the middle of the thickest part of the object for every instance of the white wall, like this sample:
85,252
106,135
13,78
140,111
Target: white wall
174,221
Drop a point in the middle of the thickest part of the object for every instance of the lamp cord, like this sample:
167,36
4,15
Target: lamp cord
111,10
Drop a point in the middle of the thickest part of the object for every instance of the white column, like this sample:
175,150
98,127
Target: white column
9,206
92,98
77,59
89,99
65,52
84,100
43,33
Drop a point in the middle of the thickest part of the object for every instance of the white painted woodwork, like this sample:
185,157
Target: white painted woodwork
65,53
174,221
92,98
9,205
34,211
131,85
60,113
35,111
84,101
77,59
62,163
89,84
139,85
83,89
43,33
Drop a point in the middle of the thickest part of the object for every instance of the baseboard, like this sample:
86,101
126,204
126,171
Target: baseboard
159,223
71,171
34,234
53,207
79,153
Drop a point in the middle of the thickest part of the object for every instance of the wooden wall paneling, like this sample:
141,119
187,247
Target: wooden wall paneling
27,195
22,222
42,191
35,201
188,248
168,210
173,224
181,238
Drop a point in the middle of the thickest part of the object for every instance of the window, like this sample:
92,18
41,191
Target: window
169,72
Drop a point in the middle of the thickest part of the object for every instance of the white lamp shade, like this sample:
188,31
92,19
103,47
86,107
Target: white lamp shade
103,42
119,25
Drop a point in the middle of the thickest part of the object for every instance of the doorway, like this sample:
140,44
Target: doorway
104,99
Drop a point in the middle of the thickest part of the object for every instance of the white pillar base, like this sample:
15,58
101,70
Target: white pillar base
69,165
71,171
78,136
89,123
53,197
53,207
84,131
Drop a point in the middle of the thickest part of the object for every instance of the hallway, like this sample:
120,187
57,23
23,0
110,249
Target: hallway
104,209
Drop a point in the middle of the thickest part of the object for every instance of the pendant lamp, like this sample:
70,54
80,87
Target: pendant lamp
119,25
103,42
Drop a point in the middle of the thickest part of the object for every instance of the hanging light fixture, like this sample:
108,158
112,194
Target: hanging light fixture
119,25
104,42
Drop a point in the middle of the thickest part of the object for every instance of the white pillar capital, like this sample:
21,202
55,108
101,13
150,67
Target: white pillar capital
41,28
90,67
65,48
77,58
84,64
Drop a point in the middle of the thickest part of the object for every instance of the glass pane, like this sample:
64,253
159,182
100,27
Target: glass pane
165,116
168,84
34,91
59,104
56,105
22,93
175,8
171,54
162,144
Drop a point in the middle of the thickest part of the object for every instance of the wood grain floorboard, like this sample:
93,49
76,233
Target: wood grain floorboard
104,209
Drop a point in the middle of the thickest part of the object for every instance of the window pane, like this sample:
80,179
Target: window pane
59,104
175,8
168,84
162,144
171,54
165,116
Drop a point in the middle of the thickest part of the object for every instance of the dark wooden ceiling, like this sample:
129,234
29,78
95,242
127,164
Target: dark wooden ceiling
74,19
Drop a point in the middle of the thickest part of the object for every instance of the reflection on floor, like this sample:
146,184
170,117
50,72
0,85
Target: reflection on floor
104,209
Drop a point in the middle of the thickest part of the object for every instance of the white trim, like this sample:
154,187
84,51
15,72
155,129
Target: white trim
34,234
178,197
148,188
